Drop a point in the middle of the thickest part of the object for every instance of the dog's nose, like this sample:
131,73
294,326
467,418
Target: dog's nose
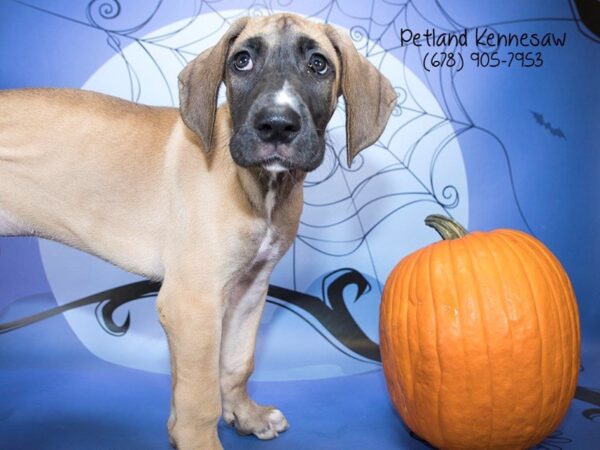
277,124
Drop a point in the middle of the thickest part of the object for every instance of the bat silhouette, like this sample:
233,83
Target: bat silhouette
539,118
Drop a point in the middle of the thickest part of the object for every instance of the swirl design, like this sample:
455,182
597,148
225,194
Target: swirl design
360,36
100,14
106,9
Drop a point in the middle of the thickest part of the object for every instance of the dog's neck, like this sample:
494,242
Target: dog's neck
267,191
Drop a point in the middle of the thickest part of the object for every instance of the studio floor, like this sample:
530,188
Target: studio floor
57,396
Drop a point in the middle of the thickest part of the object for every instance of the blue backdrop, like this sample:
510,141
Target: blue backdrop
507,146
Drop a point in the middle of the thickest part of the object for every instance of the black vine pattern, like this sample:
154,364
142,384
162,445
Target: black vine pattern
335,318
106,302
591,396
555,441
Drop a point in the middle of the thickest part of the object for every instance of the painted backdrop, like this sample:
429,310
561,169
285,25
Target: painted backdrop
493,133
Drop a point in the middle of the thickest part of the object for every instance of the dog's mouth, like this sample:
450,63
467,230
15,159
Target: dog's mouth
276,163
276,157
303,154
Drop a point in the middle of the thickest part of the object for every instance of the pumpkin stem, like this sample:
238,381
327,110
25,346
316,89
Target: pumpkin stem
446,227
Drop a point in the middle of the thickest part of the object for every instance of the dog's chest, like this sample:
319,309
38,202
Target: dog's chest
267,237
263,253
267,250
269,247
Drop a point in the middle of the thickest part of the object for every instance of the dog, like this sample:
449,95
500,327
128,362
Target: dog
205,198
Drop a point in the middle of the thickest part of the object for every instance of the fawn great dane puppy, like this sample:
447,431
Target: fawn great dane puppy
205,198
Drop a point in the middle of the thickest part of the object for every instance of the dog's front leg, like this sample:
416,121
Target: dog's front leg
191,318
240,327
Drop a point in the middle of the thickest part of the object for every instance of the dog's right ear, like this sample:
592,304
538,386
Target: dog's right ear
199,83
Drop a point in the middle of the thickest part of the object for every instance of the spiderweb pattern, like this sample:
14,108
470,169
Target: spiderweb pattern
375,28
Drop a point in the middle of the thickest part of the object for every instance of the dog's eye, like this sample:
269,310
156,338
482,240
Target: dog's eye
243,61
318,64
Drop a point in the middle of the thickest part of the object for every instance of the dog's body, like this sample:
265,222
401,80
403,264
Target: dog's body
207,200
113,199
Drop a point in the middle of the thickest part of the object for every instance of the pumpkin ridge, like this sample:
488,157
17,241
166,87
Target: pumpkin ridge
418,389
400,344
410,391
430,255
482,240
383,306
574,321
387,347
394,340
536,312
553,268
452,270
550,287
568,288
414,331
483,321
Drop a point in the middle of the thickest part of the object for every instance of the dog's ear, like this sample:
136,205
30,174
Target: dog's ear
199,83
369,96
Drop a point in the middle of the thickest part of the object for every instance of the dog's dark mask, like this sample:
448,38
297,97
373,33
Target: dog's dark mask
281,95
283,76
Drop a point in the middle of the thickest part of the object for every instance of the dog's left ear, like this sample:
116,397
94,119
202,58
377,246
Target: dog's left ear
199,83
370,97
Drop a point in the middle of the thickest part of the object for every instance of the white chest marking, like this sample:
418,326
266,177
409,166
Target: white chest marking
250,289
266,250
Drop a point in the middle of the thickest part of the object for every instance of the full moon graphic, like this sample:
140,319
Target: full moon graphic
366,217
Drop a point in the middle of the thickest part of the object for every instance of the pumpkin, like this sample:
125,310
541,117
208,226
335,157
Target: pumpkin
480,339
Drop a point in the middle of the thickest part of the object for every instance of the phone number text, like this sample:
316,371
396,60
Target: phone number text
457,61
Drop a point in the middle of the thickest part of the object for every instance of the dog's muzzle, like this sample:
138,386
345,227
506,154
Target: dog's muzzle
278,134
277,127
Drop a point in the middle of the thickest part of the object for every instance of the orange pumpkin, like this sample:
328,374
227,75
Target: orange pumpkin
480,339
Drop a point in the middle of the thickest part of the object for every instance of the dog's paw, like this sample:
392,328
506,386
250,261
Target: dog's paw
264,422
